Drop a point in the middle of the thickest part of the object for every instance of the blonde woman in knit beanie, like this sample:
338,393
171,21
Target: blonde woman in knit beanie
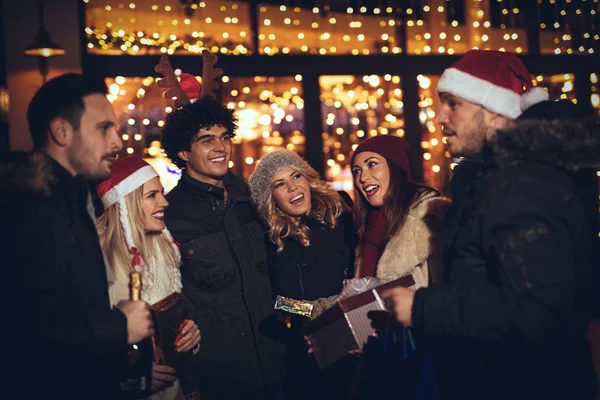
133,236
311,252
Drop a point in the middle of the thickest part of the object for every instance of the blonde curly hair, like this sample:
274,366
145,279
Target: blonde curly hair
325,208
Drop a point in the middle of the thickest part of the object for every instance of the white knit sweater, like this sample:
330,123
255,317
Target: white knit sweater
157,283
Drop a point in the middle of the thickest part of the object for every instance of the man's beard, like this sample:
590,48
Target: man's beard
77,156
477,138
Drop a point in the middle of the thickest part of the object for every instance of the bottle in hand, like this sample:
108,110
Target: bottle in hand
137,378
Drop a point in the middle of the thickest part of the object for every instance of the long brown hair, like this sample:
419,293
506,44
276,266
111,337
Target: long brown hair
401,194
326,205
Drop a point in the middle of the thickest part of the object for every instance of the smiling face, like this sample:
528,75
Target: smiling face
371,177
291,192
208,158
154,204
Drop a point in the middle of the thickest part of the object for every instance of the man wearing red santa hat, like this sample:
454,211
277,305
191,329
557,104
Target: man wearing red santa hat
511,316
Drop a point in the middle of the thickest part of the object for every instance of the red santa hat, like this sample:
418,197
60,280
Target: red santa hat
127,174
496,80
190,86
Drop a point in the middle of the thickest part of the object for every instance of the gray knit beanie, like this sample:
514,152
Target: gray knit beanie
268,166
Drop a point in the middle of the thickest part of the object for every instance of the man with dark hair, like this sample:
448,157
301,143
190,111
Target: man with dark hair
68,343
224,267
510,319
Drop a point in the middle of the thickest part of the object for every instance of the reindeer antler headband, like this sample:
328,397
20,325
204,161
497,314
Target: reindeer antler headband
195,90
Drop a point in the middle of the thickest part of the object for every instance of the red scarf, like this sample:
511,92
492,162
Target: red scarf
373,242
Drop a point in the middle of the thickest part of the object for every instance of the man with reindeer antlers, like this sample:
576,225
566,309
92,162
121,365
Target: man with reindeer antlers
224,267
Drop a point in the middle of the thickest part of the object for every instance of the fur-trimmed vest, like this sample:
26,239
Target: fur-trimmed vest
416,247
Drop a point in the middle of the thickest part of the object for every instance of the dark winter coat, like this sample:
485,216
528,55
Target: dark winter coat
225,279
67,341
316,271
511,319
310,273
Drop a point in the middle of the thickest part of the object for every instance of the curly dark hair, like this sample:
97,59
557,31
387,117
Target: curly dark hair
182,125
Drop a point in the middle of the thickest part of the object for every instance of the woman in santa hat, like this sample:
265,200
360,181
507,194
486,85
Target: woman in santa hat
133,237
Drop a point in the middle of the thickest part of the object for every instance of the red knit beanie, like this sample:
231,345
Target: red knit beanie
393,148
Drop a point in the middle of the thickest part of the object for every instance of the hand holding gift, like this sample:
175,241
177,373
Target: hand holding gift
399,300
188,338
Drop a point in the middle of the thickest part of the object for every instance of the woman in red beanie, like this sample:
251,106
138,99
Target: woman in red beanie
399,225
399,221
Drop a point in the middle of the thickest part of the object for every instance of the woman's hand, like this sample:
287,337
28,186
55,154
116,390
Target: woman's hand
189,336
321,305
309,344
163,376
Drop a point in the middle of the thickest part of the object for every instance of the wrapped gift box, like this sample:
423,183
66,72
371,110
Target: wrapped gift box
168,315
346,326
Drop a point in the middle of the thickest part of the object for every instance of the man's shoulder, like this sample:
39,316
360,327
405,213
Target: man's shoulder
175,192
27,213
531,176
531,186
24,202
236,186
179,199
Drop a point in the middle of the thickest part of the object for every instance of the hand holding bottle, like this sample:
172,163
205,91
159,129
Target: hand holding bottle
139,320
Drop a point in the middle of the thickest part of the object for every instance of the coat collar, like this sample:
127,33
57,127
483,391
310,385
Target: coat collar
414,243
39,173
236,188
568,144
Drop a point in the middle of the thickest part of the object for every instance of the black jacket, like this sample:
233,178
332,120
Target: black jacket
68,342
225,280
309,273
511,319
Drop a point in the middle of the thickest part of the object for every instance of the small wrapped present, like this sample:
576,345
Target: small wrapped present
293,306
168,315
346,326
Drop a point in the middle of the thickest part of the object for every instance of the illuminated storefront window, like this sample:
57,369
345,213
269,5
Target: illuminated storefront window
354,108
319,31
167,27
431,27
271,116
560,87
570,27
437,162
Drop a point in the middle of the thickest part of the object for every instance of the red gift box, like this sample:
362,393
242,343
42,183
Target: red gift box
345,326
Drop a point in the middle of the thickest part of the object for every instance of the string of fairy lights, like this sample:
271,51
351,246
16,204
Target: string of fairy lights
223,27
